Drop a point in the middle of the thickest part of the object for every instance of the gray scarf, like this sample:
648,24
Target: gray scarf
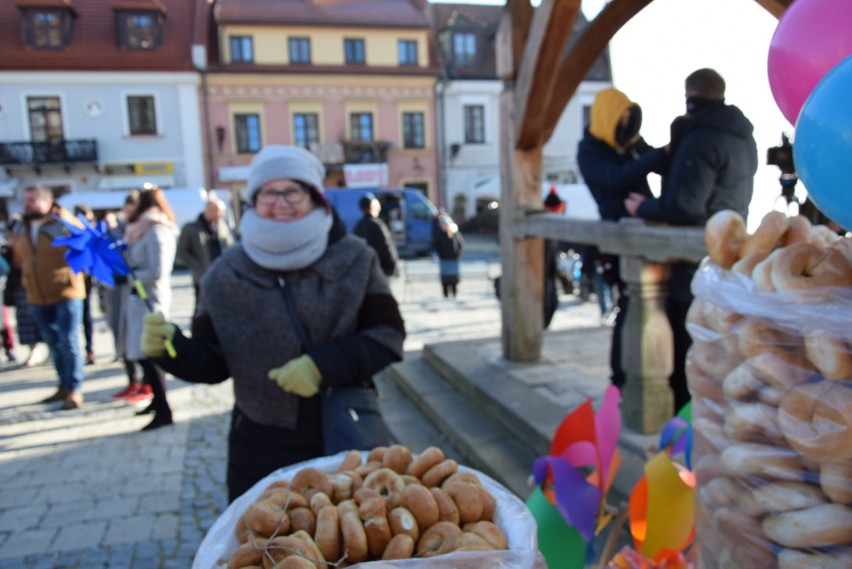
281,246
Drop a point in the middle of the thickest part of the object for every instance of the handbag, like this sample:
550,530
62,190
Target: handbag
351,418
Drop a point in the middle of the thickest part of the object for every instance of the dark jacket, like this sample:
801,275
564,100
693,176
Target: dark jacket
611,175
199,245
242,328
447,247
712,169
379,238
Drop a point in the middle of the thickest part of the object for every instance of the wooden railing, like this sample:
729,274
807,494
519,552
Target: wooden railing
646,252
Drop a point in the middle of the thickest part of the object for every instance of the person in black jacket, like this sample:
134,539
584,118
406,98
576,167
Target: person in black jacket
448,244
712,168
615,162
377,234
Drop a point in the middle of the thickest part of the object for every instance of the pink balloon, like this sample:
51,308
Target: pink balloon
812,37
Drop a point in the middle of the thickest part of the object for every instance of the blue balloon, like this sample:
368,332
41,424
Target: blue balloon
822,150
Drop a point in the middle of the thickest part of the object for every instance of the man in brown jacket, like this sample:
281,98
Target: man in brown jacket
54,292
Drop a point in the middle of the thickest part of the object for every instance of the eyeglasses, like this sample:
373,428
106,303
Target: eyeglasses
292,195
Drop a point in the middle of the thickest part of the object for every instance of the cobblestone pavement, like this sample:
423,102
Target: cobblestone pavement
87,489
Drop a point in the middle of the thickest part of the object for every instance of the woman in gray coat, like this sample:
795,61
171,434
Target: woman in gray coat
151,237
294,251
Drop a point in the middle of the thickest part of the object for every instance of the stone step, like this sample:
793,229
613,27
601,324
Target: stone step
482,442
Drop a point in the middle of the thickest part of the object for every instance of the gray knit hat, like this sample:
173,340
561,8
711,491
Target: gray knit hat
290,162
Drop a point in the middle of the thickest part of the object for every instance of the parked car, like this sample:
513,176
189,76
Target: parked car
408,213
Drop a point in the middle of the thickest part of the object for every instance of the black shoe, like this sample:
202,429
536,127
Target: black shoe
160,420
58,396
147,410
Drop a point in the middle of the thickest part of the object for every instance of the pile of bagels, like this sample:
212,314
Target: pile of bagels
772,395
391,506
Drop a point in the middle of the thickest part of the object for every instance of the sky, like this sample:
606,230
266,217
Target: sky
653,53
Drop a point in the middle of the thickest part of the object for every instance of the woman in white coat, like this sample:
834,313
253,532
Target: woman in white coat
151,237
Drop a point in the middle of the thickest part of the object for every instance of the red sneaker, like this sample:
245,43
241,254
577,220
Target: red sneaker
143,394
129,390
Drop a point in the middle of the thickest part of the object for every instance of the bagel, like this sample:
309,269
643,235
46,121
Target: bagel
388,484
762,461
469,541
376,454
490,532
799,231
823,236
837,558
806,266
489,504
783,373
309,480
761,274
438,539
712,360
700,383
467,498
462,476
284,546
373,514
756,422
401,520
397,458
318,501
746,265
835,479
352,532
327,534
351,461
344,484
425,460
772,228
368,467
295,562
779,497
819,526
740,528
363,493
440,472
741,384
757,337
724,234
247,554
401,546
422,505
447,509
270,516
816,419
303,519
831,355
241,530
720,492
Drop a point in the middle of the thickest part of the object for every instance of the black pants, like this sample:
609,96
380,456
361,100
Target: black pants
617,368
256,450
677,309
449,289
87,321
154,376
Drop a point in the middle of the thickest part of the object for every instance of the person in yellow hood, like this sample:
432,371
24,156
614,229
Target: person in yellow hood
615,161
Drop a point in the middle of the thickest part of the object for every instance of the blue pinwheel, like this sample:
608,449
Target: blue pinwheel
92,250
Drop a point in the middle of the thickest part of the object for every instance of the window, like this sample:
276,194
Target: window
247,129
305,129
353,51
361,126
412,130
474,124
300,50
464,48
139,30
47,29
242,49
141,115
407,52
587,115
419,210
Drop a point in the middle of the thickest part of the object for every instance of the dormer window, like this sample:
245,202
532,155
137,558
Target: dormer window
464,48
47,28
139,30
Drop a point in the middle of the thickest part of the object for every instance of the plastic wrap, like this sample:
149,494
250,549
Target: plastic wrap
511,516
771,380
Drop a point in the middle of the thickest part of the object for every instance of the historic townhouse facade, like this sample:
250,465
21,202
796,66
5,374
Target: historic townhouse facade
352,81
468,101
100,94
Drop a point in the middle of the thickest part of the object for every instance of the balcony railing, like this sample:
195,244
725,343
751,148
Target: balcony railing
46,153
363,152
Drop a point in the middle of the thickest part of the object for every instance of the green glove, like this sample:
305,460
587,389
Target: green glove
156,332
299,376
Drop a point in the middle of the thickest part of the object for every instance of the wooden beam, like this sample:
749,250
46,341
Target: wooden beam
518,15
576,64
775,7
552,24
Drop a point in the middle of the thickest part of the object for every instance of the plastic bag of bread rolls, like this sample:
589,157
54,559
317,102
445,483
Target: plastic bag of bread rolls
220,546
770,373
